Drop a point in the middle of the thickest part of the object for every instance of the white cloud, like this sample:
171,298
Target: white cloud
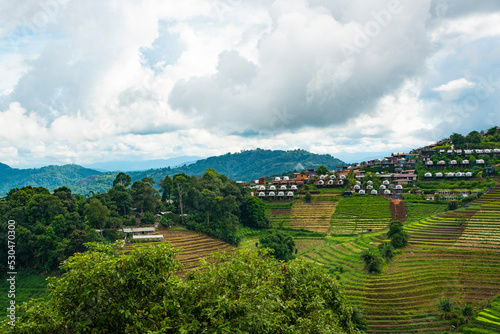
91,81
453,89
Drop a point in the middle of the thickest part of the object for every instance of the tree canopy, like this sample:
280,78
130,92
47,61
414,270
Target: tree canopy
241,292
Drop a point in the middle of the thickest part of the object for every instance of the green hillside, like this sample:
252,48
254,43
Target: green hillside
249,165
244,166
50,177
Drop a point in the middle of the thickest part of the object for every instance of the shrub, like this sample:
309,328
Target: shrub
386,250
445,305
453,205
308,197
148,218
468,311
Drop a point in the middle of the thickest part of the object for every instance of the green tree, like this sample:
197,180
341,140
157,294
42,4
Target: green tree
457,139
122,179
96,213
322,170
473,137
166,184
144,196
140,292
148,218
282,244
120,196
254,213
308,197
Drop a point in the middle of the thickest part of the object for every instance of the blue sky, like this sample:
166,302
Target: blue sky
90,81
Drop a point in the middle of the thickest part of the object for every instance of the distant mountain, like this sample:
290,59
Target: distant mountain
243,166
50,177
124,166
249,165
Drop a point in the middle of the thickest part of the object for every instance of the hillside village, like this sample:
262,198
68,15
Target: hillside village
368,225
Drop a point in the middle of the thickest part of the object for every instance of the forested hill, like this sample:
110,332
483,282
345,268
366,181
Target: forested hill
249,165
244,166
49,177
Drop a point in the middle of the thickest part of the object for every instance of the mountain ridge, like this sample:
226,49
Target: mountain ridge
242,166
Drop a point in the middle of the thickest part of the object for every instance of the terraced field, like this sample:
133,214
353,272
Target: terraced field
314,216
358,213
194,245
453,255
486,322
343,261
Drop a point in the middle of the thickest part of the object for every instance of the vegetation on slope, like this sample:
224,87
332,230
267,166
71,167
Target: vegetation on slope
243,292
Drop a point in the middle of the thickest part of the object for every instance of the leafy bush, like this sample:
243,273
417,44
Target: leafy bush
282,245
308,197
445,305
148,218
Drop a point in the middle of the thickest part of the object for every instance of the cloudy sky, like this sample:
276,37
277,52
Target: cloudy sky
88,81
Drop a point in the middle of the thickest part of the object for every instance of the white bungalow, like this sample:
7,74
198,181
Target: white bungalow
450,152
281,194
369,182
468,174
272,194
387,192
453,162
441,162
479,162
362,192
357,187
330,182
358,183
272,188
459,152
277,178
283,188
479,151
496,150
382,187
467,152
342,176
322,177
386,182
429,163
332,177
487,151
286,178
465,162
321,182
341,182
450,174
289,194
399,187
293,187
261,194
459,174
262,188
441,151
374,192
428,175
369,187
438,175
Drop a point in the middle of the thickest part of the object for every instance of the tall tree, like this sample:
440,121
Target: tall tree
97,214
166,185
122,179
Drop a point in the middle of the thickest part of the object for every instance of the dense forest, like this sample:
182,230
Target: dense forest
52,226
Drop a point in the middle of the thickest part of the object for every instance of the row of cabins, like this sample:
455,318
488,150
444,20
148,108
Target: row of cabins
280,194
465,162
451,174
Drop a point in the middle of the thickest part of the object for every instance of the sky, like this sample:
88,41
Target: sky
92,81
